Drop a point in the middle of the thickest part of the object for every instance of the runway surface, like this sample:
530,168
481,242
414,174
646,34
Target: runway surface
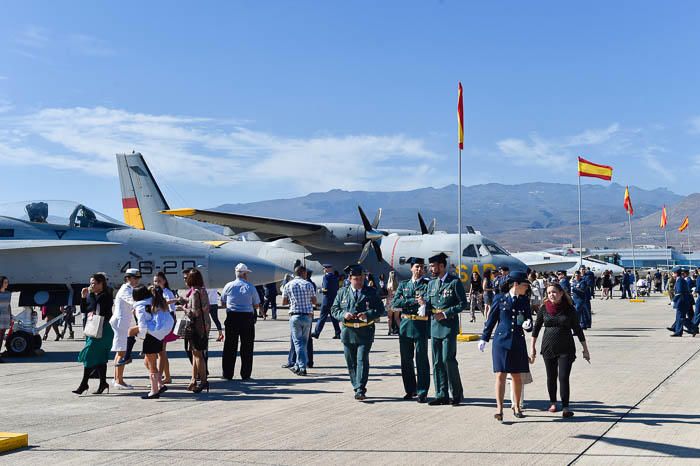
636,403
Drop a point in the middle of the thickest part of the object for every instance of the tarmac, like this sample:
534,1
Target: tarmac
636,403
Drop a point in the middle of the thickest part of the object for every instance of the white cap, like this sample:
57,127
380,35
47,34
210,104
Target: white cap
132,273
242,268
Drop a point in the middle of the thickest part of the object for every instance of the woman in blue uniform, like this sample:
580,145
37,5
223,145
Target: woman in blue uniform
509,311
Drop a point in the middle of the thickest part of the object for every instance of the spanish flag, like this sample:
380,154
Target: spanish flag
684,225
662,223
460,117
594,170
628,201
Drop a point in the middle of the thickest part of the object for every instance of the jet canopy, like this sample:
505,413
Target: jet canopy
65,213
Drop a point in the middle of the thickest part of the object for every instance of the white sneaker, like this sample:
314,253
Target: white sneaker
119,386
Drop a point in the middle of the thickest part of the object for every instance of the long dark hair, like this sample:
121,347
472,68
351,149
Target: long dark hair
565,298
159,301
162,276
2,280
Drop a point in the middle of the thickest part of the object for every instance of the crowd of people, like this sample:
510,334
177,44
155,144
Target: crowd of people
423,310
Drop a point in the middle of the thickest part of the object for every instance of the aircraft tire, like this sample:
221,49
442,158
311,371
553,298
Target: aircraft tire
19,344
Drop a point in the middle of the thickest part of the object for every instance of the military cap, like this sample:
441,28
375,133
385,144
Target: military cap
519,277
561,271
415,260
677,269
504,267
439,258
354,270
327,266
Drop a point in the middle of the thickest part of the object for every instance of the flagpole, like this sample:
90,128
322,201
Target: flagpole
580,231
689,251
634,262
668,266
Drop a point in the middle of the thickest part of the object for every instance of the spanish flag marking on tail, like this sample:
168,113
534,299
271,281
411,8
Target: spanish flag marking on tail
684,225
594,170
132,213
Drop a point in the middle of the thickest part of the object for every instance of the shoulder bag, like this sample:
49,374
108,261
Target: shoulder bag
94,324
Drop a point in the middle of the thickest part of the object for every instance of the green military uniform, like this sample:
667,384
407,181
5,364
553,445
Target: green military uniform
357,336
446,296
413,337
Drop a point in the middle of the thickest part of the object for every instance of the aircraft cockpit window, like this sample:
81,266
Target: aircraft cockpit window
470,251
483,250
63,213
495,250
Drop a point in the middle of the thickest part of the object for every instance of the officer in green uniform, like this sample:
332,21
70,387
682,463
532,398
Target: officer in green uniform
357,307
414,331
445,299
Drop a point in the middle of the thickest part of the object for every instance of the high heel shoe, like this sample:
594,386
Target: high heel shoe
80,389
202,386
518,414
191,386
149,396
103,386
498,417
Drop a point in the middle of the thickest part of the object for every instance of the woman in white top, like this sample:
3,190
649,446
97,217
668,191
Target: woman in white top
161,281
121,321
154,324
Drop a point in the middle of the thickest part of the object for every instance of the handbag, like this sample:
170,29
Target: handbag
183,327
94,324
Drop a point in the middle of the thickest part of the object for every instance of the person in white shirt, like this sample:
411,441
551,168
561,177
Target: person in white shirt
214,310
161,281
121,322
154,324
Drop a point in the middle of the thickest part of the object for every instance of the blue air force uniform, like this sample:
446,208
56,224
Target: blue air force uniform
579,294
329,290
357,335
445,295
682,302
508,313
413,335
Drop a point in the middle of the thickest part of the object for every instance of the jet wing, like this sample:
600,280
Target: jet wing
266,226
15,244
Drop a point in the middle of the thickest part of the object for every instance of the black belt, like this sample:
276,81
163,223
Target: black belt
300,313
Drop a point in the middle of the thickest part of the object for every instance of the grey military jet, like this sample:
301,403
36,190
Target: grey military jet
49,249
143,200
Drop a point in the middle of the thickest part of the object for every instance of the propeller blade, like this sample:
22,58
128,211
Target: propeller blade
432,227
377,218
365,220
365,252
377,250
423,227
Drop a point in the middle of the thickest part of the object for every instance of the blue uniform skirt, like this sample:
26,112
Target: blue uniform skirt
514,360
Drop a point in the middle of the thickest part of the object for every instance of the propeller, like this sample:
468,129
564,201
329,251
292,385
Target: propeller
372,235
425,229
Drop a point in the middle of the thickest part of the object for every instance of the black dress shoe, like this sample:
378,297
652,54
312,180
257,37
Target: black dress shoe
676,335
336,336
422,399
287,366
360,396
315,335
456,401
439,402
409,396
670,329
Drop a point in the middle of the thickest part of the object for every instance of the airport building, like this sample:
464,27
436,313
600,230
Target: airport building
647,257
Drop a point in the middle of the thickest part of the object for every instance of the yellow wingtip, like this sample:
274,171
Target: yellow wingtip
179,212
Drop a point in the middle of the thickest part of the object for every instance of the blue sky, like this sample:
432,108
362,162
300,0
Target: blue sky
244,101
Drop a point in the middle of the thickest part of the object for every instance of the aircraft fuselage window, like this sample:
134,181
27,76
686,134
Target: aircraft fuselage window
402,260
470,251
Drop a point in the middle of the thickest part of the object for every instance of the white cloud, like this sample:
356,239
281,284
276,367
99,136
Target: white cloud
33,37
5,106
38,43
213,152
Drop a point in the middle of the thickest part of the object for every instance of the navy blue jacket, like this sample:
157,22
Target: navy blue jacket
329,289
681,295
504,318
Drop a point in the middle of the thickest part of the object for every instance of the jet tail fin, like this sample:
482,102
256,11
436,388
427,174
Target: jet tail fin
143,201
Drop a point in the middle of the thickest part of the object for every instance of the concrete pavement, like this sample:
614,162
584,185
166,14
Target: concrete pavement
635,403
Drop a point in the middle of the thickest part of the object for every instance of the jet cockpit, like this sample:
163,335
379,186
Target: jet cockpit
64,213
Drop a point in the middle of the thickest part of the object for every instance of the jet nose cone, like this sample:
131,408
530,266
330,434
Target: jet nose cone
222,264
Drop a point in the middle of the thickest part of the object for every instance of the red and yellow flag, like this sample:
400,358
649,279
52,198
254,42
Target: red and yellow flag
460,117
628,201
684,225
662,223
594,170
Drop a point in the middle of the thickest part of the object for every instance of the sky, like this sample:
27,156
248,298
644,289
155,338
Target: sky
241,101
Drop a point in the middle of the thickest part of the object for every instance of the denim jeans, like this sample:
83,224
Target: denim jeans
300,326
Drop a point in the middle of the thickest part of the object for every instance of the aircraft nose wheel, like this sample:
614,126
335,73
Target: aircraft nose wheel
19,344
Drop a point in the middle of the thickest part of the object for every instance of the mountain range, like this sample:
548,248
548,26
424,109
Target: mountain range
521,217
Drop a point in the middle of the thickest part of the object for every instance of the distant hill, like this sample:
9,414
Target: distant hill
522,216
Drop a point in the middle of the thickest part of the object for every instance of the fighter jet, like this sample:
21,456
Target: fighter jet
49,249
541,261
142,200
